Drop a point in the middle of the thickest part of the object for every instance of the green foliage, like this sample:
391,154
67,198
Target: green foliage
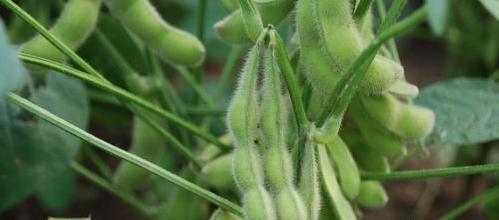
338,70
36,151
13,72
461,117
438,13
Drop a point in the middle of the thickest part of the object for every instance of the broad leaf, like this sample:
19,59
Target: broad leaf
467,110
492,6
34,151
12,72
438,13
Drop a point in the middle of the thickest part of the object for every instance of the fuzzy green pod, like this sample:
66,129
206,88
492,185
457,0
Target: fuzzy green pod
254,200
253,23
217,173
278,165
231,29
272,12
183,205
329,132
172,44
372,195
221,214
348,172
377,138
344,43
315,62
405,120
75,24
211,151
366,158
341,206
146,143
403,89
309,186
384,109
247,167
413,122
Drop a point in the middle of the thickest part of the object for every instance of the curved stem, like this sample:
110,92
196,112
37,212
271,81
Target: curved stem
116,151
99,181
431,173
124,95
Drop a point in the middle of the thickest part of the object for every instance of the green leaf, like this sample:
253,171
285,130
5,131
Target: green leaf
13,74
17,160
438,13
492,6
467,110
56,190
34,151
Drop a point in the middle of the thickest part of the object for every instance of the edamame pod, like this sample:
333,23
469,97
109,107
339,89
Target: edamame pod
403,89
348,172
272,12
217,173
384,109
172,44
341,206
231,29
211,151
247,167
75,24
405,120
344,43
372,195
309,187
146,143
279,169
377,137
413,122
253,23
366,158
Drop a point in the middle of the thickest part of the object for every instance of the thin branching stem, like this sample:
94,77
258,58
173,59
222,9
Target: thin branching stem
122,154
119,92
121,194
432,173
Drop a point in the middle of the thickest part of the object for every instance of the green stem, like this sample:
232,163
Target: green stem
126,68
123,195
392,46
98,162
431,173
116,151
291,82
279,50
124,95
201,19
88,68
186,75
115,54
486,196
345,89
